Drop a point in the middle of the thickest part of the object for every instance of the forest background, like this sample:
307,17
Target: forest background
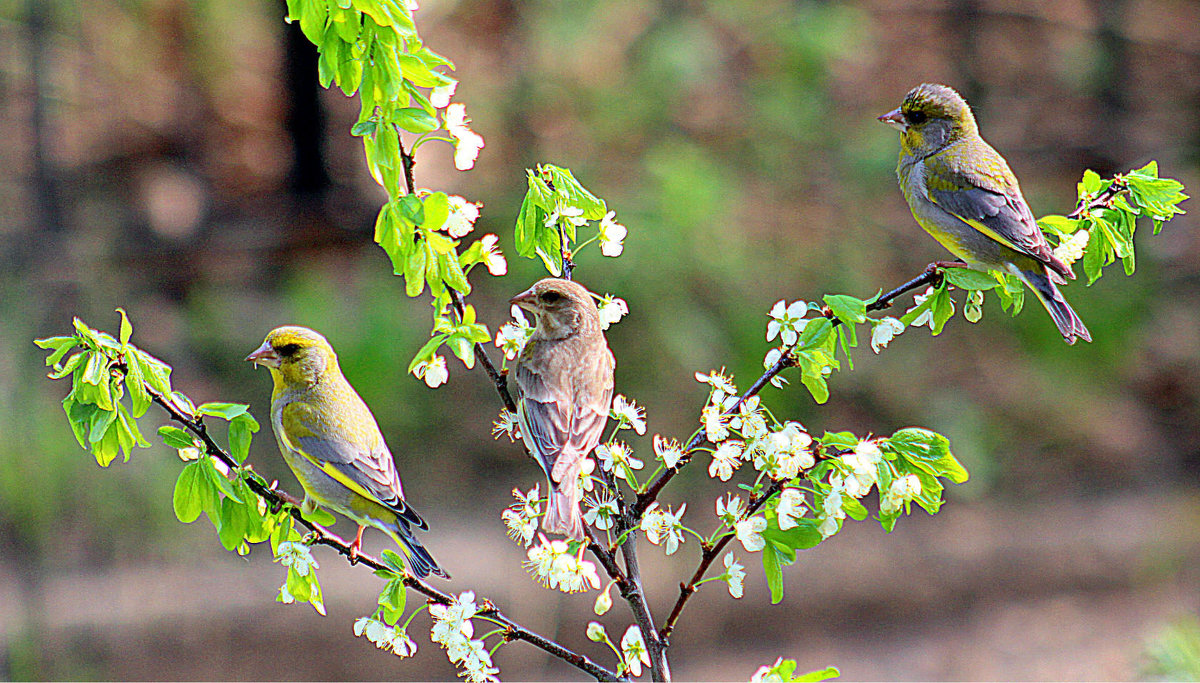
179,159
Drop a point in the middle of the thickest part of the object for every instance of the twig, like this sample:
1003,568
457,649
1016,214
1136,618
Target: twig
481,357
275,498
786,360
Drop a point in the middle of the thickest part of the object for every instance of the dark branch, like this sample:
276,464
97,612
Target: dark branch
930,275
276,499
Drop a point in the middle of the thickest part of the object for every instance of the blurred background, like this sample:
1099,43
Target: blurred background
180,160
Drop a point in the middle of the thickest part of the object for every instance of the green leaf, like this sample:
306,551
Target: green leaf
800,537
572,193
188,493
770,561
219,481
965,278
414,271
1091,182
319,516
109,446
174,437
415,120
854,509
815,333
93,372
426,352
848,309
1059,225
393,599
126,328
234,521
135,380
829,672
1095,254
924,446
240,430
452,273
393,561
227,411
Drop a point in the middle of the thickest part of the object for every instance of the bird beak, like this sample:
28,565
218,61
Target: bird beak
893,118
524,299
264,355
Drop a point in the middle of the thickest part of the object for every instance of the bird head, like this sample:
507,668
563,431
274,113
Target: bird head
295,355
931,117
561,307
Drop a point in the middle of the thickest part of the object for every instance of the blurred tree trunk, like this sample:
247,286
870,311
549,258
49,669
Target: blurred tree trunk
304,120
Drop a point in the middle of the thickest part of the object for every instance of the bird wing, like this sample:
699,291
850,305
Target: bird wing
988,199
559,426
368,470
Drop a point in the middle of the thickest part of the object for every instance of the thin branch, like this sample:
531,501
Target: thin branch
786,360
276,499
499,379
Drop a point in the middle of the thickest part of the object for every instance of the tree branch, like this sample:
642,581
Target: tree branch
277,499
787,360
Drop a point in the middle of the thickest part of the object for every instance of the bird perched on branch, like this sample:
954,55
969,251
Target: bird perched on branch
564,380
330,440
963,193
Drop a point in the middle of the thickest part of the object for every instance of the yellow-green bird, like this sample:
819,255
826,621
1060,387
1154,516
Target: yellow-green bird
963,193
330,440
564,382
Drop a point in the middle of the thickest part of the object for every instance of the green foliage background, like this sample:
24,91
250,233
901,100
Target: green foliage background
737,143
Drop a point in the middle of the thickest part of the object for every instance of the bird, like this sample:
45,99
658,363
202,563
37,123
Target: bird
964,194
564,385
333,445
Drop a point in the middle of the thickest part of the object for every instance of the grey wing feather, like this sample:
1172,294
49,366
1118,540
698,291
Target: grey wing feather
375,472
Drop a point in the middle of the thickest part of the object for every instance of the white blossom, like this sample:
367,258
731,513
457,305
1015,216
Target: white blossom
512,335
787,321
462,217
668,450
628,414
296,556
734,575
521,518
769,361
553,565
663,527
507,425
611,309
726,459
617,458
603,600
467,142
884,331
601,514
634,650
612,235
595,632
790,508
493,258
749,532
716,423
730,509
441,94
1071,248
434,372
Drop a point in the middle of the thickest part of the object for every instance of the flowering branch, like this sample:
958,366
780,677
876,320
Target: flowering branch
710,553
276,498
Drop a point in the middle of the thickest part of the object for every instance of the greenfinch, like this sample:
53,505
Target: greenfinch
963,193
564,382
331,442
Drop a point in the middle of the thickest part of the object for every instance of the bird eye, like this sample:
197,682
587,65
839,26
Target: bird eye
915,117
551,297
288,349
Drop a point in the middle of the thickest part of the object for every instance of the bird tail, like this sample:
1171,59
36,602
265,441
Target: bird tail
562,511
1065,317
420,562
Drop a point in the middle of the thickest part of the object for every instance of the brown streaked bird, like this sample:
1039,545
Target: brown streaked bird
564,381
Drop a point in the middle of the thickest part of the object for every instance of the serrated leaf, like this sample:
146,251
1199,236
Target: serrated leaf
815,333
925,446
